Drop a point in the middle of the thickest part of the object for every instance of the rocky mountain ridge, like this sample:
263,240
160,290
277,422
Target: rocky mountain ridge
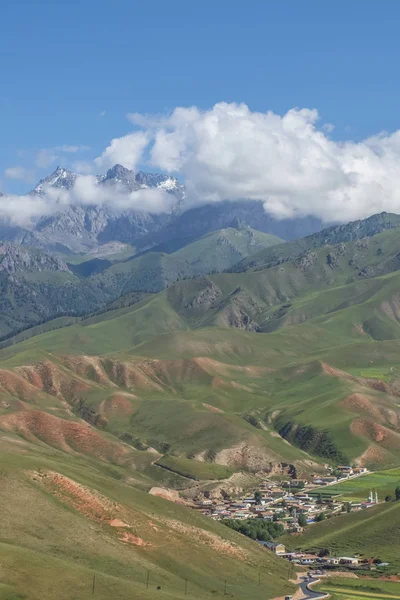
83,228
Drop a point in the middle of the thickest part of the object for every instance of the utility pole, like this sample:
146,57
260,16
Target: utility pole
259,576
94,583
147,580
225,587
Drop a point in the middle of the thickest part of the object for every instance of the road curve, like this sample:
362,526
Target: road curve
305,586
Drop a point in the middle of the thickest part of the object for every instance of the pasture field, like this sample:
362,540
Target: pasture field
359,589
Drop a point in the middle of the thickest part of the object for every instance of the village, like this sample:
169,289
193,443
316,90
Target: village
293,504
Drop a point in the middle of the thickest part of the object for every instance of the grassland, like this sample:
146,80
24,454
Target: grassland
357,490
371,533
66,520
359,589
194,469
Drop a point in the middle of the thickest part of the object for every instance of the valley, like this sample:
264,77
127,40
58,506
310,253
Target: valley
167,380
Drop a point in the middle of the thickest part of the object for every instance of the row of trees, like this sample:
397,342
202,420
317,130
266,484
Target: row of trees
256,529
396,495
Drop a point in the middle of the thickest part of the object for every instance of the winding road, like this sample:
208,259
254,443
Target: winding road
305,583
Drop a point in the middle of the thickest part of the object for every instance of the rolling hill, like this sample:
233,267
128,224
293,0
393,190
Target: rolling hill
74,527
372,534
36,286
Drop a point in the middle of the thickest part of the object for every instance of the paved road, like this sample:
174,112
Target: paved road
307,591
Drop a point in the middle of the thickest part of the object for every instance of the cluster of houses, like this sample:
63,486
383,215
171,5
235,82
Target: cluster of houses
285,501
316,561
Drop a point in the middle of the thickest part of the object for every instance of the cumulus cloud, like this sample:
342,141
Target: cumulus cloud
126,151
20,174
288,162
25,210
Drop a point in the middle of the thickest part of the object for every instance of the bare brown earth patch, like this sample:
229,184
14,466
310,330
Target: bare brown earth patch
118,523
360,403
212,408
376,433
17,386
70,436
90,504
246,456
167,494
130,538
375,384
51,379
119,405
206,537
373,455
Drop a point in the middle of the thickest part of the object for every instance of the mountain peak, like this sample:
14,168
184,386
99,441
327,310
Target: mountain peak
118,171
59,178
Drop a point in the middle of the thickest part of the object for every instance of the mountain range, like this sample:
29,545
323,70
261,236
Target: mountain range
134,381
82,228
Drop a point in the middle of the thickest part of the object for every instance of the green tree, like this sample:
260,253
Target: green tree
302,520
320,517
388,498
397,492
258,497
319,499
348,507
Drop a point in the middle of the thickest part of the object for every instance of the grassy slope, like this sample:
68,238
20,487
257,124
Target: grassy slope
358,490
55,536
333,235
359,589
30,297
373,533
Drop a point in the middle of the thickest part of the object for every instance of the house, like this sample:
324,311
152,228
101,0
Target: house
330,479
267,515
345,470
348,560
275,548
278,493
333,561
360,470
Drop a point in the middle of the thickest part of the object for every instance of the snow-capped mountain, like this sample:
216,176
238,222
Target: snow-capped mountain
82,228
60,178
127,180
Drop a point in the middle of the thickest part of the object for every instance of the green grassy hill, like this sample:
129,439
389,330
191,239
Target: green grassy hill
70,524
372,533
336,234
41,287
282,369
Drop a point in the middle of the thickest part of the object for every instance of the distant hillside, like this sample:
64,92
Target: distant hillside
373,533
42,287
327,237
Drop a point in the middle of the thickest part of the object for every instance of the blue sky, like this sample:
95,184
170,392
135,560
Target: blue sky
70,72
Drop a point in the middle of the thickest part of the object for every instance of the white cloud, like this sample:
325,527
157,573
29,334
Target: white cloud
126,151
288,162
20,173
25,210
230,152
88,192
102,113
